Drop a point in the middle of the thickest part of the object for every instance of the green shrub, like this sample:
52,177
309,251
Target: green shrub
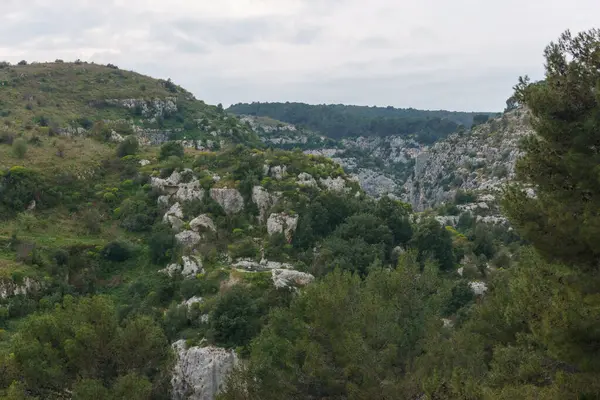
127,147
19,148
117,251
244,249
161,244
170,149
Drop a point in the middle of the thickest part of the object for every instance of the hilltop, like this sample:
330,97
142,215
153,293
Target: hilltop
86,99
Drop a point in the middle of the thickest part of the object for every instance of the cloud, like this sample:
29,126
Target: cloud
464,54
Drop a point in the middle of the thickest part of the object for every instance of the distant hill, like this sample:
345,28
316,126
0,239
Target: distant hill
76,97
340,121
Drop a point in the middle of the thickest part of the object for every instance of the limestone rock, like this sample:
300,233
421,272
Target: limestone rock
174,217
335,185
191,266
264,200
191,301
164,200
188,239
200,373
278,172
306,179
263,265
478,287
230,199
283,278
282,223
9,288
115,137
143,163
189,191
202,222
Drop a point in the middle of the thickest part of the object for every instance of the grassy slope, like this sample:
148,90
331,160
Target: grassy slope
66,93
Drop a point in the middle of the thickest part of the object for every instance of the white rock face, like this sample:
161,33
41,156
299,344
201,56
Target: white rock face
115,137
335,185
306,179
283,278
191,266
202,222
164,200
230,199
174,217
143,163
264,200
191,301
460,271
263,265
278,172
189,191
375,183
282,223
200,373
478,287
8,288
188,239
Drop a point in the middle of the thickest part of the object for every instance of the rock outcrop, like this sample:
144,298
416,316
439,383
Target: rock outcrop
188,239
287,278
200,373
230,199
282,223
174,217
203,223
262,265
8,288
264,200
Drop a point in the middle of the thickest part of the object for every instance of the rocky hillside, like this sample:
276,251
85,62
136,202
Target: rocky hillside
478,160
86,99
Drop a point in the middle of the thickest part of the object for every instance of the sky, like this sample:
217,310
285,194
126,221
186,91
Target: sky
462,55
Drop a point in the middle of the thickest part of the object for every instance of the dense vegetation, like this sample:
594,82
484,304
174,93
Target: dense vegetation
338,121
402,307
533,335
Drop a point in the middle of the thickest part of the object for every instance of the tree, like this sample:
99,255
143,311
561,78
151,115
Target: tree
433,240
171,149
129,146
562,160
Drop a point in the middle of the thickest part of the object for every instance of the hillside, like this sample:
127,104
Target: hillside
89,99
146,266
339,121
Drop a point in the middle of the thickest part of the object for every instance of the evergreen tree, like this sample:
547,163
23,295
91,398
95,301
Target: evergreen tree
562,161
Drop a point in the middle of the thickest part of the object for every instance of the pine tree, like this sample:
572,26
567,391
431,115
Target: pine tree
562,161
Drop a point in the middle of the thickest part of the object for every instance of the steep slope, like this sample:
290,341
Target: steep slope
90,99
480,160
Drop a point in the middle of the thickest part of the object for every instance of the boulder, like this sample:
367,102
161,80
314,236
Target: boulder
188,239
230,199
282,223
200,373
191,266
164,200
174,217
285,278
191,301
189,191
143,163
203,222
263,265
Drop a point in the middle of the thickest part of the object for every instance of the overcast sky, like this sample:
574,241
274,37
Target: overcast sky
430,54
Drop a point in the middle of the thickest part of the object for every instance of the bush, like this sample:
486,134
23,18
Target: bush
463,197
161,244
244,249
19,148
117,251
128,147
22,62
170,149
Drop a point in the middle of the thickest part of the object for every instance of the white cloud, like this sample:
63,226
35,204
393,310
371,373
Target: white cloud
463,54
